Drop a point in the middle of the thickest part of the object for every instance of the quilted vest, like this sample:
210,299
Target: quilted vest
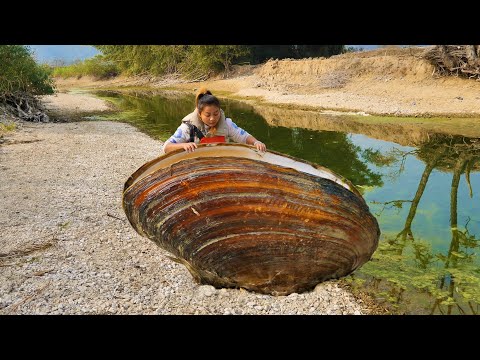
194,119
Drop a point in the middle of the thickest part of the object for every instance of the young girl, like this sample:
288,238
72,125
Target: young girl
207,123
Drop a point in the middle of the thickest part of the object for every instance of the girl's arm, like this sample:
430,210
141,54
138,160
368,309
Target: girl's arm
180,140
257,143
188,147
241,136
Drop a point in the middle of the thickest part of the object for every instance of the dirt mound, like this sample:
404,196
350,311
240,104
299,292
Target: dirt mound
338,71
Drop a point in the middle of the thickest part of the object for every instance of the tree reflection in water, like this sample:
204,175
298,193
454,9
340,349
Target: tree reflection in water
448,283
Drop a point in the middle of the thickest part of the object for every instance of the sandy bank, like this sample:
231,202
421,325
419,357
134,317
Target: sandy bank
72,103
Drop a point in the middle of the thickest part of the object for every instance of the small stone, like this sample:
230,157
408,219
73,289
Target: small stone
293,296
223,292
206,290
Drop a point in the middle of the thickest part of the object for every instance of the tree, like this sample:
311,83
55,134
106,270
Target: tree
21,78
305,51
20,72
202,61
195,61
261,53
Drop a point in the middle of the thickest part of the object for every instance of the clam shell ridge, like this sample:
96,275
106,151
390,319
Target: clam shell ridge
236,217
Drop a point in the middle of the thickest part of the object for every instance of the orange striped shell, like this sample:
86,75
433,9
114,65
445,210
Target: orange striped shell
266,222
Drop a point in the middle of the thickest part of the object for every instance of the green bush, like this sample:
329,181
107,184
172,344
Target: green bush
20,72
97,67
193,61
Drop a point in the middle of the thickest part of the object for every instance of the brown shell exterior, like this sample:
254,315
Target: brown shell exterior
238,221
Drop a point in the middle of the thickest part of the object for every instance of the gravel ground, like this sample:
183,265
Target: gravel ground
66,246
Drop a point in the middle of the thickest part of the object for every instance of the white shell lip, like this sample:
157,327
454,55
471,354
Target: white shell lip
240,151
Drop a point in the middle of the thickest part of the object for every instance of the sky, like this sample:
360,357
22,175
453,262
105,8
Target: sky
67,53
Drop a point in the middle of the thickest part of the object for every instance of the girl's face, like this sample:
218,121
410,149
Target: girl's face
210,115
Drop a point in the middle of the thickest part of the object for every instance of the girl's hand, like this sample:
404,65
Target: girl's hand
189,147
260,146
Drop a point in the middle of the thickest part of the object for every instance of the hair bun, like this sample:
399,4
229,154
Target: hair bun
203,91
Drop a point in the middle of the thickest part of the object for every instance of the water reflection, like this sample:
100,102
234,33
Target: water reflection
420,185
449,280
155,114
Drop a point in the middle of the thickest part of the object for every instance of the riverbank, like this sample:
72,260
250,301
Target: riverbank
67,247
387,82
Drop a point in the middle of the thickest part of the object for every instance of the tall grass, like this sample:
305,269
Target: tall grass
97,67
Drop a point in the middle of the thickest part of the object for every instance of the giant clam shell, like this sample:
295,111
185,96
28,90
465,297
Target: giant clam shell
266,222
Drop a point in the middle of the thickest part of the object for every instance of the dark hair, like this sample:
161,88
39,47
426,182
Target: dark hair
206,99
202,91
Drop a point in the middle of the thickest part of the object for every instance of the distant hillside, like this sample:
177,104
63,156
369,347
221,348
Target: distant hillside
66,53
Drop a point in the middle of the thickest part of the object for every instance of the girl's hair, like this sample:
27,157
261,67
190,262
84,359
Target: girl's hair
204,98
203,91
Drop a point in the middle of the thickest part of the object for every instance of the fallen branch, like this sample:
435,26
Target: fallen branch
24,106
29,249
26,251
9,264
43,272
457,60
28,298
14,142
115,217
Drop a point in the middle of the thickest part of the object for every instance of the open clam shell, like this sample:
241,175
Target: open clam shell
236,217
